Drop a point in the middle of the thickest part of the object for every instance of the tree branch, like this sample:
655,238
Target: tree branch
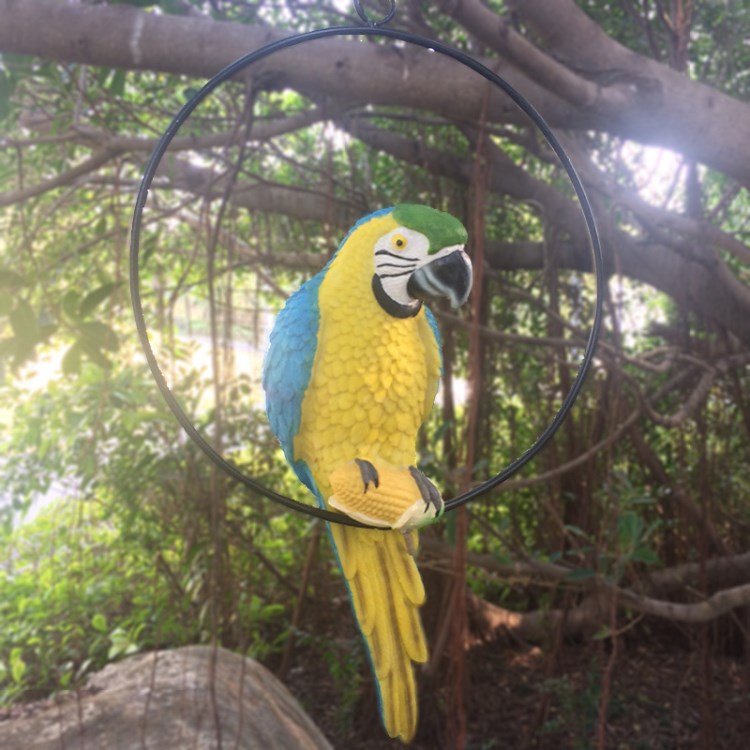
666,107
591,613
689,276
87,166
636,97
498,34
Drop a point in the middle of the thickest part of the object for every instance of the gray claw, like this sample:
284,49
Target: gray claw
427,489
368,471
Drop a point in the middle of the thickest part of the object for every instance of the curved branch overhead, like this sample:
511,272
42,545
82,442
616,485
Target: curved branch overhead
579,78
125,37
665,106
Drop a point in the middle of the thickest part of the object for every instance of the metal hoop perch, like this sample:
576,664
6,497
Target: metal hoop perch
362,13
373,28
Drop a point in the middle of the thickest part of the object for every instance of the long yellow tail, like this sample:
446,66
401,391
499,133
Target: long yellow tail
387,591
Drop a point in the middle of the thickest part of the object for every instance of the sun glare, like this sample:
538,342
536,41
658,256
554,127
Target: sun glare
658,172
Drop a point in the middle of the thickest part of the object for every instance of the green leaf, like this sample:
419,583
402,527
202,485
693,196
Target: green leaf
117,84
99,622
83,668
17,665
95,354
269,611
580,574
93,299
576,530
71,361
121,644
65,679
70,304
629,529
99,334
24,323
604,632
645,555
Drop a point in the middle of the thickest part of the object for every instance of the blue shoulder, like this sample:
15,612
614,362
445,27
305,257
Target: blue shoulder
287,368
289,360
436,331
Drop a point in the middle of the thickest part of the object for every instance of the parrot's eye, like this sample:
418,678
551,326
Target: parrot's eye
398,241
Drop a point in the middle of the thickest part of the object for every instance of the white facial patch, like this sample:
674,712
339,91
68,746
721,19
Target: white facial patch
397,255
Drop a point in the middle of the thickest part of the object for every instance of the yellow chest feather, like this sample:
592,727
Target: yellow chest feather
370,380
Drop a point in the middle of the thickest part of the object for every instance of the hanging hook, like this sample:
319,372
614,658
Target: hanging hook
362,13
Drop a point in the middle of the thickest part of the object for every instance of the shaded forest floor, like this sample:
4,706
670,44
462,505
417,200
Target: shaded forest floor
526,699
663,696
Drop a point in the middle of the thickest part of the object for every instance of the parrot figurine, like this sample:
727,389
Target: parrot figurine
351,374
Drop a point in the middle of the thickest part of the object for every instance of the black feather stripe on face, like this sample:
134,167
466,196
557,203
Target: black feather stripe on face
396,309
396,255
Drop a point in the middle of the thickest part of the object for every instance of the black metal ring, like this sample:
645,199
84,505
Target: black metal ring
477,67
362,13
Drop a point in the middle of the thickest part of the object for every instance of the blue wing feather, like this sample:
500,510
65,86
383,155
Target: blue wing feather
436,330
289,360
287,368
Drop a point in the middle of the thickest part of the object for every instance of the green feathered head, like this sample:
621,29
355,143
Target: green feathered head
441,229
420,257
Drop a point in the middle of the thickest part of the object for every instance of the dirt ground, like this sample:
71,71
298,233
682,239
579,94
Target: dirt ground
663,696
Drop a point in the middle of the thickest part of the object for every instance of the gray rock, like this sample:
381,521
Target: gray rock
170,700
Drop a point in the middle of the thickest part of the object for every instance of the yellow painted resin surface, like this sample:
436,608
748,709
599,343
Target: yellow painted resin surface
373,381
374,377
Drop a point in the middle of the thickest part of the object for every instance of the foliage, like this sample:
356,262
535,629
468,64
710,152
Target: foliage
577,708
124,562
148,545
76,593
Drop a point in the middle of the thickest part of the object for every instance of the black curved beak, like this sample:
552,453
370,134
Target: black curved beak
448,276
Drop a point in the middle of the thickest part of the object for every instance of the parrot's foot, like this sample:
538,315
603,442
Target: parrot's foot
430,493
384,496
369,473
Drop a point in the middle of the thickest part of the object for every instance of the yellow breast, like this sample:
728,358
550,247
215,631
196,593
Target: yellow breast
372,373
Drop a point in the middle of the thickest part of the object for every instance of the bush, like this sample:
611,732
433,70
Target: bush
74,595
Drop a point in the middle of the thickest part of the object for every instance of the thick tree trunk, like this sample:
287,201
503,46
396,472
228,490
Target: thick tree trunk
578,77
617,90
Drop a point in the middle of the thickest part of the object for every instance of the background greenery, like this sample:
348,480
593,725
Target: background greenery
117,535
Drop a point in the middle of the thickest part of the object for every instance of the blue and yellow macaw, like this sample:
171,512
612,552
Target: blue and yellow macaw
350,376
